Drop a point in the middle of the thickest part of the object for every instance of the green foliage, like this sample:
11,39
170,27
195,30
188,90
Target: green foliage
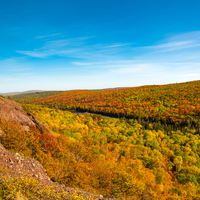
159,107
27,188
9,97
34,96
94,140
2,96
153,153
182,178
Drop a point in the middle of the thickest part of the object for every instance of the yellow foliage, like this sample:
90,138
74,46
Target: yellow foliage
106,156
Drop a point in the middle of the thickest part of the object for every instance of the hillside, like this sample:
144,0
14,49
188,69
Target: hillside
173,106
13,112
21,175
19,93
148,154
34,95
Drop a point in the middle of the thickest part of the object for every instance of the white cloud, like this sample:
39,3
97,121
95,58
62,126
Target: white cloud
117,45
178,42
36,54
180,46
173,46
194,35
24,74
51,35
16,64
175,59
76,48
90,63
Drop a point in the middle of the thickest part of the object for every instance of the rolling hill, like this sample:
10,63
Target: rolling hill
149,147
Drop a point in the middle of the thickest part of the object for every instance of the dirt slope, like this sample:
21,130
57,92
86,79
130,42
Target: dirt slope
13,112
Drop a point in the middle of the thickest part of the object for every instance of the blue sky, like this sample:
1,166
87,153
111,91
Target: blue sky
94,44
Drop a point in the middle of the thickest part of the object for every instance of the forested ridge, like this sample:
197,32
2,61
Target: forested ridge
150,150
34,95
173,106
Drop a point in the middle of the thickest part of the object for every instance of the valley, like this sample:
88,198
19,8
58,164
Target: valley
149,150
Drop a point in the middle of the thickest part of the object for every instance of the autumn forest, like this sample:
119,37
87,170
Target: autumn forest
124,143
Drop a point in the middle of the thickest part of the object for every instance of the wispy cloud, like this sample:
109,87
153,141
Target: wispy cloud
24,74
117,45
36,54
175,56
83,48
16,64
75,47
173,46
90,63
51,35
179,42
194,35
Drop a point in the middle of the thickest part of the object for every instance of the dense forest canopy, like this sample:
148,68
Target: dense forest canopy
173,106
150,150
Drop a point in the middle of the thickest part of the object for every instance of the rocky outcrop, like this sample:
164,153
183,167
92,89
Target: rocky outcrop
21,165
13,112
18,166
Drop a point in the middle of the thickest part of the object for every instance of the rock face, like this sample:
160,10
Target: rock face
13,112
20,165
